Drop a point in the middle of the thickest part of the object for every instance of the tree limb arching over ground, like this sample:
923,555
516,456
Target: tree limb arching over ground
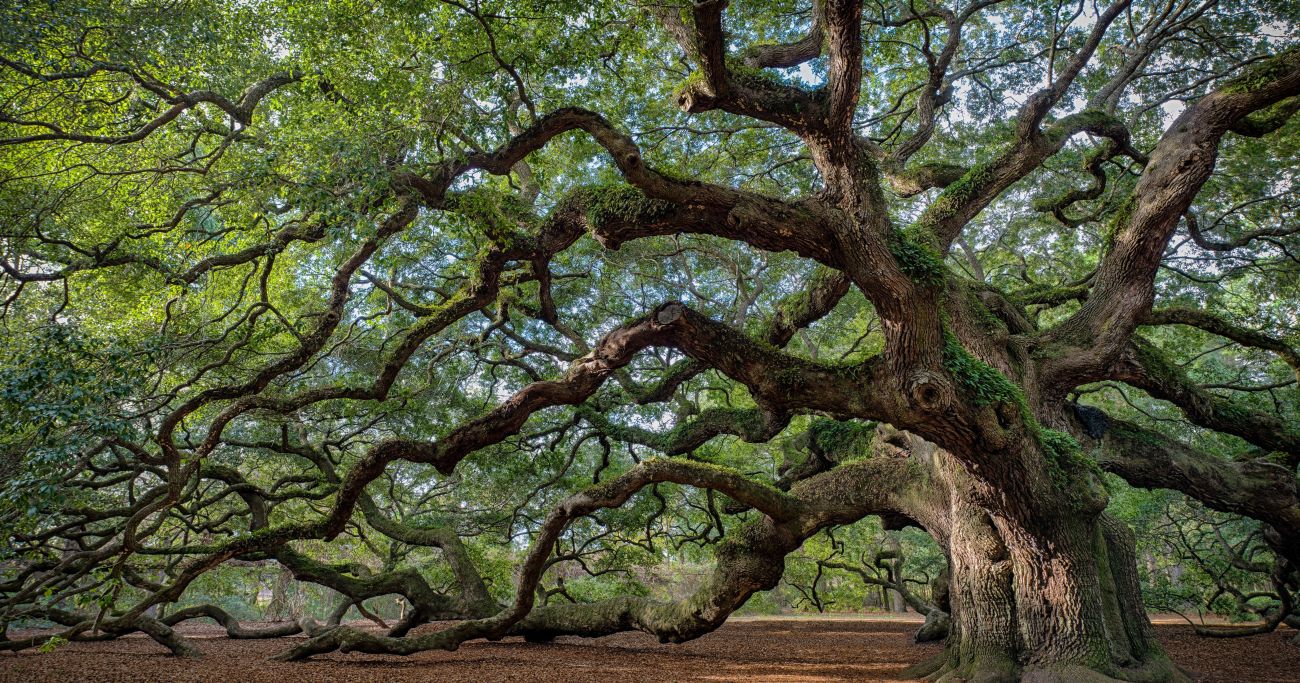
482,293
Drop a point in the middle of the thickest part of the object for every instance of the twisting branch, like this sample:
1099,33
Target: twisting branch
1147,368
1195,231
241,109
1179,165
778,506
787,55
1215,324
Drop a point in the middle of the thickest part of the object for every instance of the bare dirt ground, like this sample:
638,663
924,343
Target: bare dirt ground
801,650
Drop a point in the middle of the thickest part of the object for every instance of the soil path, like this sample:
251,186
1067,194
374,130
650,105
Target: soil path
777,650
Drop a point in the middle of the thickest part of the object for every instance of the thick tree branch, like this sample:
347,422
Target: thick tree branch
1179,165
1255,488
1146,367
1219,325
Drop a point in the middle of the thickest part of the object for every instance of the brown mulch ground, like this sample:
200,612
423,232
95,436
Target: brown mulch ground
786,650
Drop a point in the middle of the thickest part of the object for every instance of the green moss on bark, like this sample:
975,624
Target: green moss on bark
981,382
917,259
1065,457
959,193
620,203
984,385
1118,221
836,437
1263,73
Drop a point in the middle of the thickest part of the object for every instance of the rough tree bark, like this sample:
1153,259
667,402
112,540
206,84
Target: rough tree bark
1048,597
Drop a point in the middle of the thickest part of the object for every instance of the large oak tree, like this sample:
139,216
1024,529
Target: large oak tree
278,274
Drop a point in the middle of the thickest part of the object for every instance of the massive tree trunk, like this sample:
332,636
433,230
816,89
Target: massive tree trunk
1057,604
1036,596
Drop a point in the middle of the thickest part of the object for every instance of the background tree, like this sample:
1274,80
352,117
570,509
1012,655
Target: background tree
311,283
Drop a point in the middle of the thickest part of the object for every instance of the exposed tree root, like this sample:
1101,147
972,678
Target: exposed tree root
79,624
233,628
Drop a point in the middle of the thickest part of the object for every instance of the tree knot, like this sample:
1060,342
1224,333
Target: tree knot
930,391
